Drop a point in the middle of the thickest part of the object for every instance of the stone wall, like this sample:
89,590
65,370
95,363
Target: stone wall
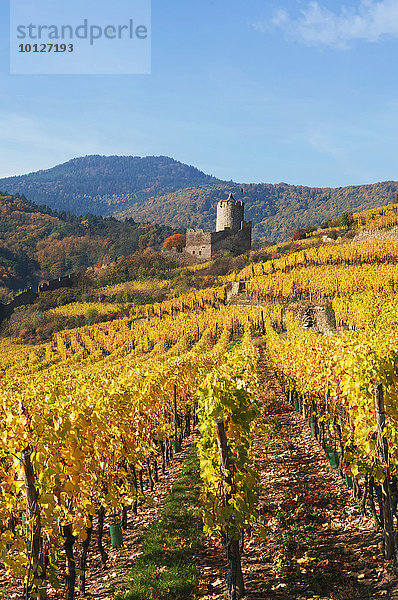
377,234
199,244
177,256
26,297
56,284
29,296
236,242
203,245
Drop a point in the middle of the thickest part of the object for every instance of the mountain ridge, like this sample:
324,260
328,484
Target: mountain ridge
103,181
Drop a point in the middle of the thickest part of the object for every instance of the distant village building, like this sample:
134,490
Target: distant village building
232,233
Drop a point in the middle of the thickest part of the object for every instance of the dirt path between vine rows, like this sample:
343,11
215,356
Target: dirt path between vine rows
311,540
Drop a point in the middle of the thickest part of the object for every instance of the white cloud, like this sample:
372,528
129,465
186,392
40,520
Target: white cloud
371,21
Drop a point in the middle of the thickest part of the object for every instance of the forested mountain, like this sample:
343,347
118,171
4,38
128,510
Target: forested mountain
162,190
103,184
39,243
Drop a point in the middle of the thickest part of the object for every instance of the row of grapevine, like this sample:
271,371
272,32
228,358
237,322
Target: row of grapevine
315,284
227,413
364,310
85,434
368,252
85,428
377,218
335,378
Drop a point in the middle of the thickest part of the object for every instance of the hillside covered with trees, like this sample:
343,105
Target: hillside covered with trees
277,210
39,243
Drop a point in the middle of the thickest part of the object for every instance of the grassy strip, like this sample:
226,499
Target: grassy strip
167,569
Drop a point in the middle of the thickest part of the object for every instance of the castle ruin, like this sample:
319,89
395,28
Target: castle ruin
232,233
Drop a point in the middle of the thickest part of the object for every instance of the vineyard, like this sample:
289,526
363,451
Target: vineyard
91,421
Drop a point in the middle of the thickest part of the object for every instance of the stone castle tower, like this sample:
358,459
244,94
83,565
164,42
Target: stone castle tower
232,234
230,214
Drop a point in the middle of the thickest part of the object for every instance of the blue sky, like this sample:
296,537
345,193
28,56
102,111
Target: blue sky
254,91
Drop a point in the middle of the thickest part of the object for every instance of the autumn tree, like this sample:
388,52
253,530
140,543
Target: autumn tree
345,219
299,235
174,241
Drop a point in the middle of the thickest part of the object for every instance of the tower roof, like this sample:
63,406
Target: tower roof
229,199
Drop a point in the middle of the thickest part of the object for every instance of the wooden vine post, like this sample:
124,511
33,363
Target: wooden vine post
70,578
33,522
389,541
175,416
101,516
83,559
237,586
